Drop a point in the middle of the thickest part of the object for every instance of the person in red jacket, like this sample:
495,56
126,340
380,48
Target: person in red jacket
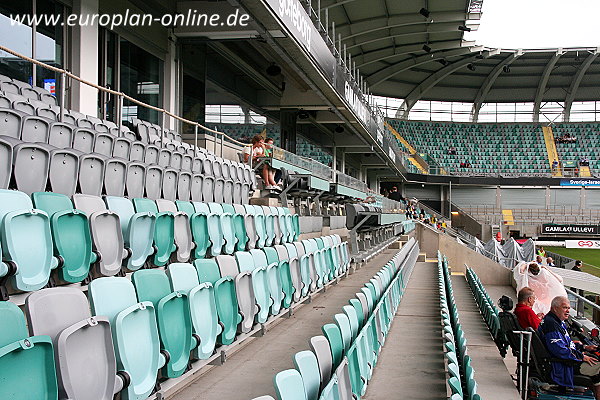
525,314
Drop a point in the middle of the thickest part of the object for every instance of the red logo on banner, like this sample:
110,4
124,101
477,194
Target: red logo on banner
585,243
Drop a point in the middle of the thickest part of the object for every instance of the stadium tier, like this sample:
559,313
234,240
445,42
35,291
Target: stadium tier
488,148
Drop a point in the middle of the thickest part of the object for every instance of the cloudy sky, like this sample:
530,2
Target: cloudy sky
533,24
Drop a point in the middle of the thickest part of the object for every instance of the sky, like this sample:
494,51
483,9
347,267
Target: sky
534,24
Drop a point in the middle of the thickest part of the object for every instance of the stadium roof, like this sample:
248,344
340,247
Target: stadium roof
416,51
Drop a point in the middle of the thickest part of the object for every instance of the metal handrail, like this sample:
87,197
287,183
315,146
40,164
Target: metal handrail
120,95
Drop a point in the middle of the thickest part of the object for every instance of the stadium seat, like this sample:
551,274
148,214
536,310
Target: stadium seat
225,298
27,363
334,336
172,311
83,345
137,230
267,258
70,233
26,242
164,230
182,229
288,252
289,385
322,350
306,363
243,288
260,280
107,237
203,308
91,173
134,331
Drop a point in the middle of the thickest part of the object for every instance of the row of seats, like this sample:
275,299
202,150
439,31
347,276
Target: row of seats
488,310
115,232
461,380
136,331
31,167
341,362
13,86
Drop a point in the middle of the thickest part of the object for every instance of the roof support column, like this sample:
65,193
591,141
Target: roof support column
539,94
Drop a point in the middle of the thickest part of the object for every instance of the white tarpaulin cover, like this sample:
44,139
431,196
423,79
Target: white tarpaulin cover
546,285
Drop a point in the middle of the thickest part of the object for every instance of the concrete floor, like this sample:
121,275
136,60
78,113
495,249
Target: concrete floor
249,372
411,364
493,378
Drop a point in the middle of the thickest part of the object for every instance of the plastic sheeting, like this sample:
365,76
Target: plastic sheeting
546,285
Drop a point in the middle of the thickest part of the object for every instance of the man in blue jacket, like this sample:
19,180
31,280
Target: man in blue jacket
553,333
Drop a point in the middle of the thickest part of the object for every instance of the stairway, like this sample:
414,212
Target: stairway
411,364
584,172
551,150
417,162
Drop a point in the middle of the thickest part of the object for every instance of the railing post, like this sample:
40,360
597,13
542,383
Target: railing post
63,82
222,142
195,137
119,101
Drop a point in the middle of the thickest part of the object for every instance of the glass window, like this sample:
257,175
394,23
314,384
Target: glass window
141,74
107,73
16,37
48,46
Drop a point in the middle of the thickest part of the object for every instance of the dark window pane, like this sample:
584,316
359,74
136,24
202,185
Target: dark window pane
15,37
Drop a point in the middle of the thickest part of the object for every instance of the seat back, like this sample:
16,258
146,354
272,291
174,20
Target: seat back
83,344
35,129
6,157
153,182
322,350
91,173
27,363
289,385
306,363
31,163
60,135
115,175
135,180
169,184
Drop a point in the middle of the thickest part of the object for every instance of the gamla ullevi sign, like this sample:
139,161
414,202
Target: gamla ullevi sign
555,229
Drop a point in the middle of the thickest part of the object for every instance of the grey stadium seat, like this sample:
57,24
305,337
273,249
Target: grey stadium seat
153,182
136,179
103,144
83,346
60,135
115,174
10,123
121,148
169,184
91,173
31,162
138,152
151,156
107,236
83,140
64,171
197,187
184,185
35,129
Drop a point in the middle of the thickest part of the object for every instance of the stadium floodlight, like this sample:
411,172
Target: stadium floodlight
427,48
464,28
424,12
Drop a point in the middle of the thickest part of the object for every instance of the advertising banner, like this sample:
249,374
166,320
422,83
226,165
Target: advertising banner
555,229
580,182
582,244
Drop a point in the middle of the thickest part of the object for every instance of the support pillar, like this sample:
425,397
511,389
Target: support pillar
288,118
84,55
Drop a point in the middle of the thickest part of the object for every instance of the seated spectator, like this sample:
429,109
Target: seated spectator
257,151
554,165
539,260
523,311
584,162
395,194
452,151
545,284
571,358
577,266
269,143
462,164
550,262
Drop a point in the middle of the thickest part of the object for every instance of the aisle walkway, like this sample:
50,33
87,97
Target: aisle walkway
411,364
493,378
249,372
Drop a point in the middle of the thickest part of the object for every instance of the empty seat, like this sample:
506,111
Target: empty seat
6,157
26,242
70,233
115,175
169,184
322,350
244,290
289,385
172,311
137,151
60,135
103,144
91,173
64,171
221,228
107,237
137,230
134,330
83,345
260,282
153,182
135,180
31,162
267,259
226,298
27,363
35,129
83,140
202,304
306,363
182,229
164,230
184,185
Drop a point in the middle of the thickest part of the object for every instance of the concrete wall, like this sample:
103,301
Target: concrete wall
490,272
